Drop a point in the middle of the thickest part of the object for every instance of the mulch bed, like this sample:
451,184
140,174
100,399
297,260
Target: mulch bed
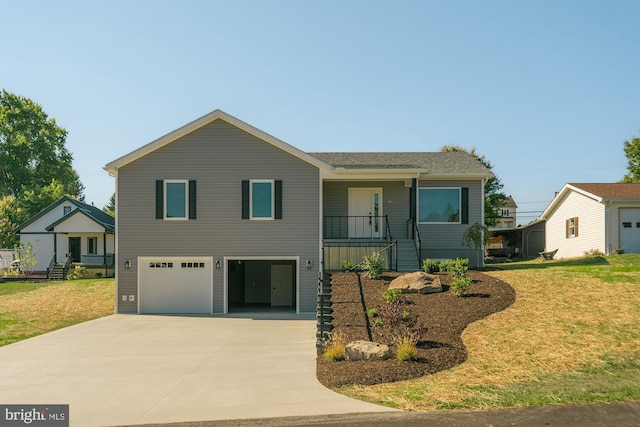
444,314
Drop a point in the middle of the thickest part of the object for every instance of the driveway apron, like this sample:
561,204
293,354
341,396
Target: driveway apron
130,369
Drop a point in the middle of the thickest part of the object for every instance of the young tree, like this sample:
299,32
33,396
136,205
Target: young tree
494,198
32,149
110,207
632,151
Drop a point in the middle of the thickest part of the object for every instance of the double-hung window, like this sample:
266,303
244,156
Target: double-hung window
443,205
571,227
92,245
175,199
261,199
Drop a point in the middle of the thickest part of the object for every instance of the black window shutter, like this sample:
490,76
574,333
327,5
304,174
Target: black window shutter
278,199
464,217
192,199
159,199
245,199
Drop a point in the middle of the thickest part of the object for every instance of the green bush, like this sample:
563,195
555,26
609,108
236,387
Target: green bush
460,285
430,266
373,265
348,265
372,312
459,267
445,265
79,272
391,295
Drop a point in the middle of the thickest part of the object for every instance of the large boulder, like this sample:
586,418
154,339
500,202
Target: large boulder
418,282
366,350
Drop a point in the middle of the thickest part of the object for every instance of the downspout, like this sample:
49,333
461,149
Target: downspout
482,249
104,252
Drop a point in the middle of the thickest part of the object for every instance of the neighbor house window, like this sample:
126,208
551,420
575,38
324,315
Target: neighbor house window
261,199
66,210
92,245
175,199
571,227
505,212
439,205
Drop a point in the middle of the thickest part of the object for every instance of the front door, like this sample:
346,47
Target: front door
281,285
74,249
365,213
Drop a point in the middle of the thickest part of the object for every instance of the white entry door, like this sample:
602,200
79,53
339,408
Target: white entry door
365,212
281,285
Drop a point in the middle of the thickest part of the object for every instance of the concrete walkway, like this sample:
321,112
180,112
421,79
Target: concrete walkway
125,370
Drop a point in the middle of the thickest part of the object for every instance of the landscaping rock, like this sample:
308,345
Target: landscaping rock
418,282
366,350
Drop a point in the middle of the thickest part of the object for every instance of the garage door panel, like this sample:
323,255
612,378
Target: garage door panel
176,285
630,230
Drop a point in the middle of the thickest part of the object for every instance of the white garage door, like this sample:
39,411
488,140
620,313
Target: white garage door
630,230
176,285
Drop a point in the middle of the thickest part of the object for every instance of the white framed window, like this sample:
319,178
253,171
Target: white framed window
572,227
261,199
92,245
176,199
439,205
505,212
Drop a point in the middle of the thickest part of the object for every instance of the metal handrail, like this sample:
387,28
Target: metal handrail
52,263
416,238
386,248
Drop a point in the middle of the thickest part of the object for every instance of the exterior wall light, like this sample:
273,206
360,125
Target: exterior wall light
127,264
218,265
309,264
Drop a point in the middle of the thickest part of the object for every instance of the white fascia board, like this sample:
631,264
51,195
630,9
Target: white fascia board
562,195
112,167
369,174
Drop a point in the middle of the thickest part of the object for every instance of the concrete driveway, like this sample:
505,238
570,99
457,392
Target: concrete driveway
130,369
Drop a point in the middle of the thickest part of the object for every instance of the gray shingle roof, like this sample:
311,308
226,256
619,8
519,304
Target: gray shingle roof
456,162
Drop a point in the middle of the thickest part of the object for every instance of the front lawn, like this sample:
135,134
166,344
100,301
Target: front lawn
33,308
572,336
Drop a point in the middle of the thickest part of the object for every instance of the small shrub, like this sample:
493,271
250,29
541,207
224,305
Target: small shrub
445,265
430,266
334,350
592,253
377,322
348,265
407,349
99,275
373,265
79,272
391,295
459,267
618,251
460,285
372,312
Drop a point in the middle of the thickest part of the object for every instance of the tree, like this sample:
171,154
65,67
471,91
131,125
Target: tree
493,199
632,151
110,207
14,211
32,149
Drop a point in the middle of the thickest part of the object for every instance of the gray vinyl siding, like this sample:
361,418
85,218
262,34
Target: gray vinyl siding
218,156
395,200
443,241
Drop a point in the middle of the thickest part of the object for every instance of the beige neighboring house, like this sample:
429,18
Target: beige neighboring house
507,214
588,216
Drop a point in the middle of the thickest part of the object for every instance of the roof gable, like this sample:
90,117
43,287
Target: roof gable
92,212
202,121
600,192
108,227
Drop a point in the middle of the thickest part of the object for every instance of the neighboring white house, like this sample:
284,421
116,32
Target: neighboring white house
69,228
590,216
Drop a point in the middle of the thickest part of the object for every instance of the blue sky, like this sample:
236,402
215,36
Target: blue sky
546,90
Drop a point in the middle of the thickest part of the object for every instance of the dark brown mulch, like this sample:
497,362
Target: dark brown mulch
444,314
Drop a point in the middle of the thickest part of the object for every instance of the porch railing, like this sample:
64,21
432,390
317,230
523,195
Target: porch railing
415,234
335,254
51,265
356,227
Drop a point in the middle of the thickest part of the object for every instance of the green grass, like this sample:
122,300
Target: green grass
28,309
616,379
609,269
